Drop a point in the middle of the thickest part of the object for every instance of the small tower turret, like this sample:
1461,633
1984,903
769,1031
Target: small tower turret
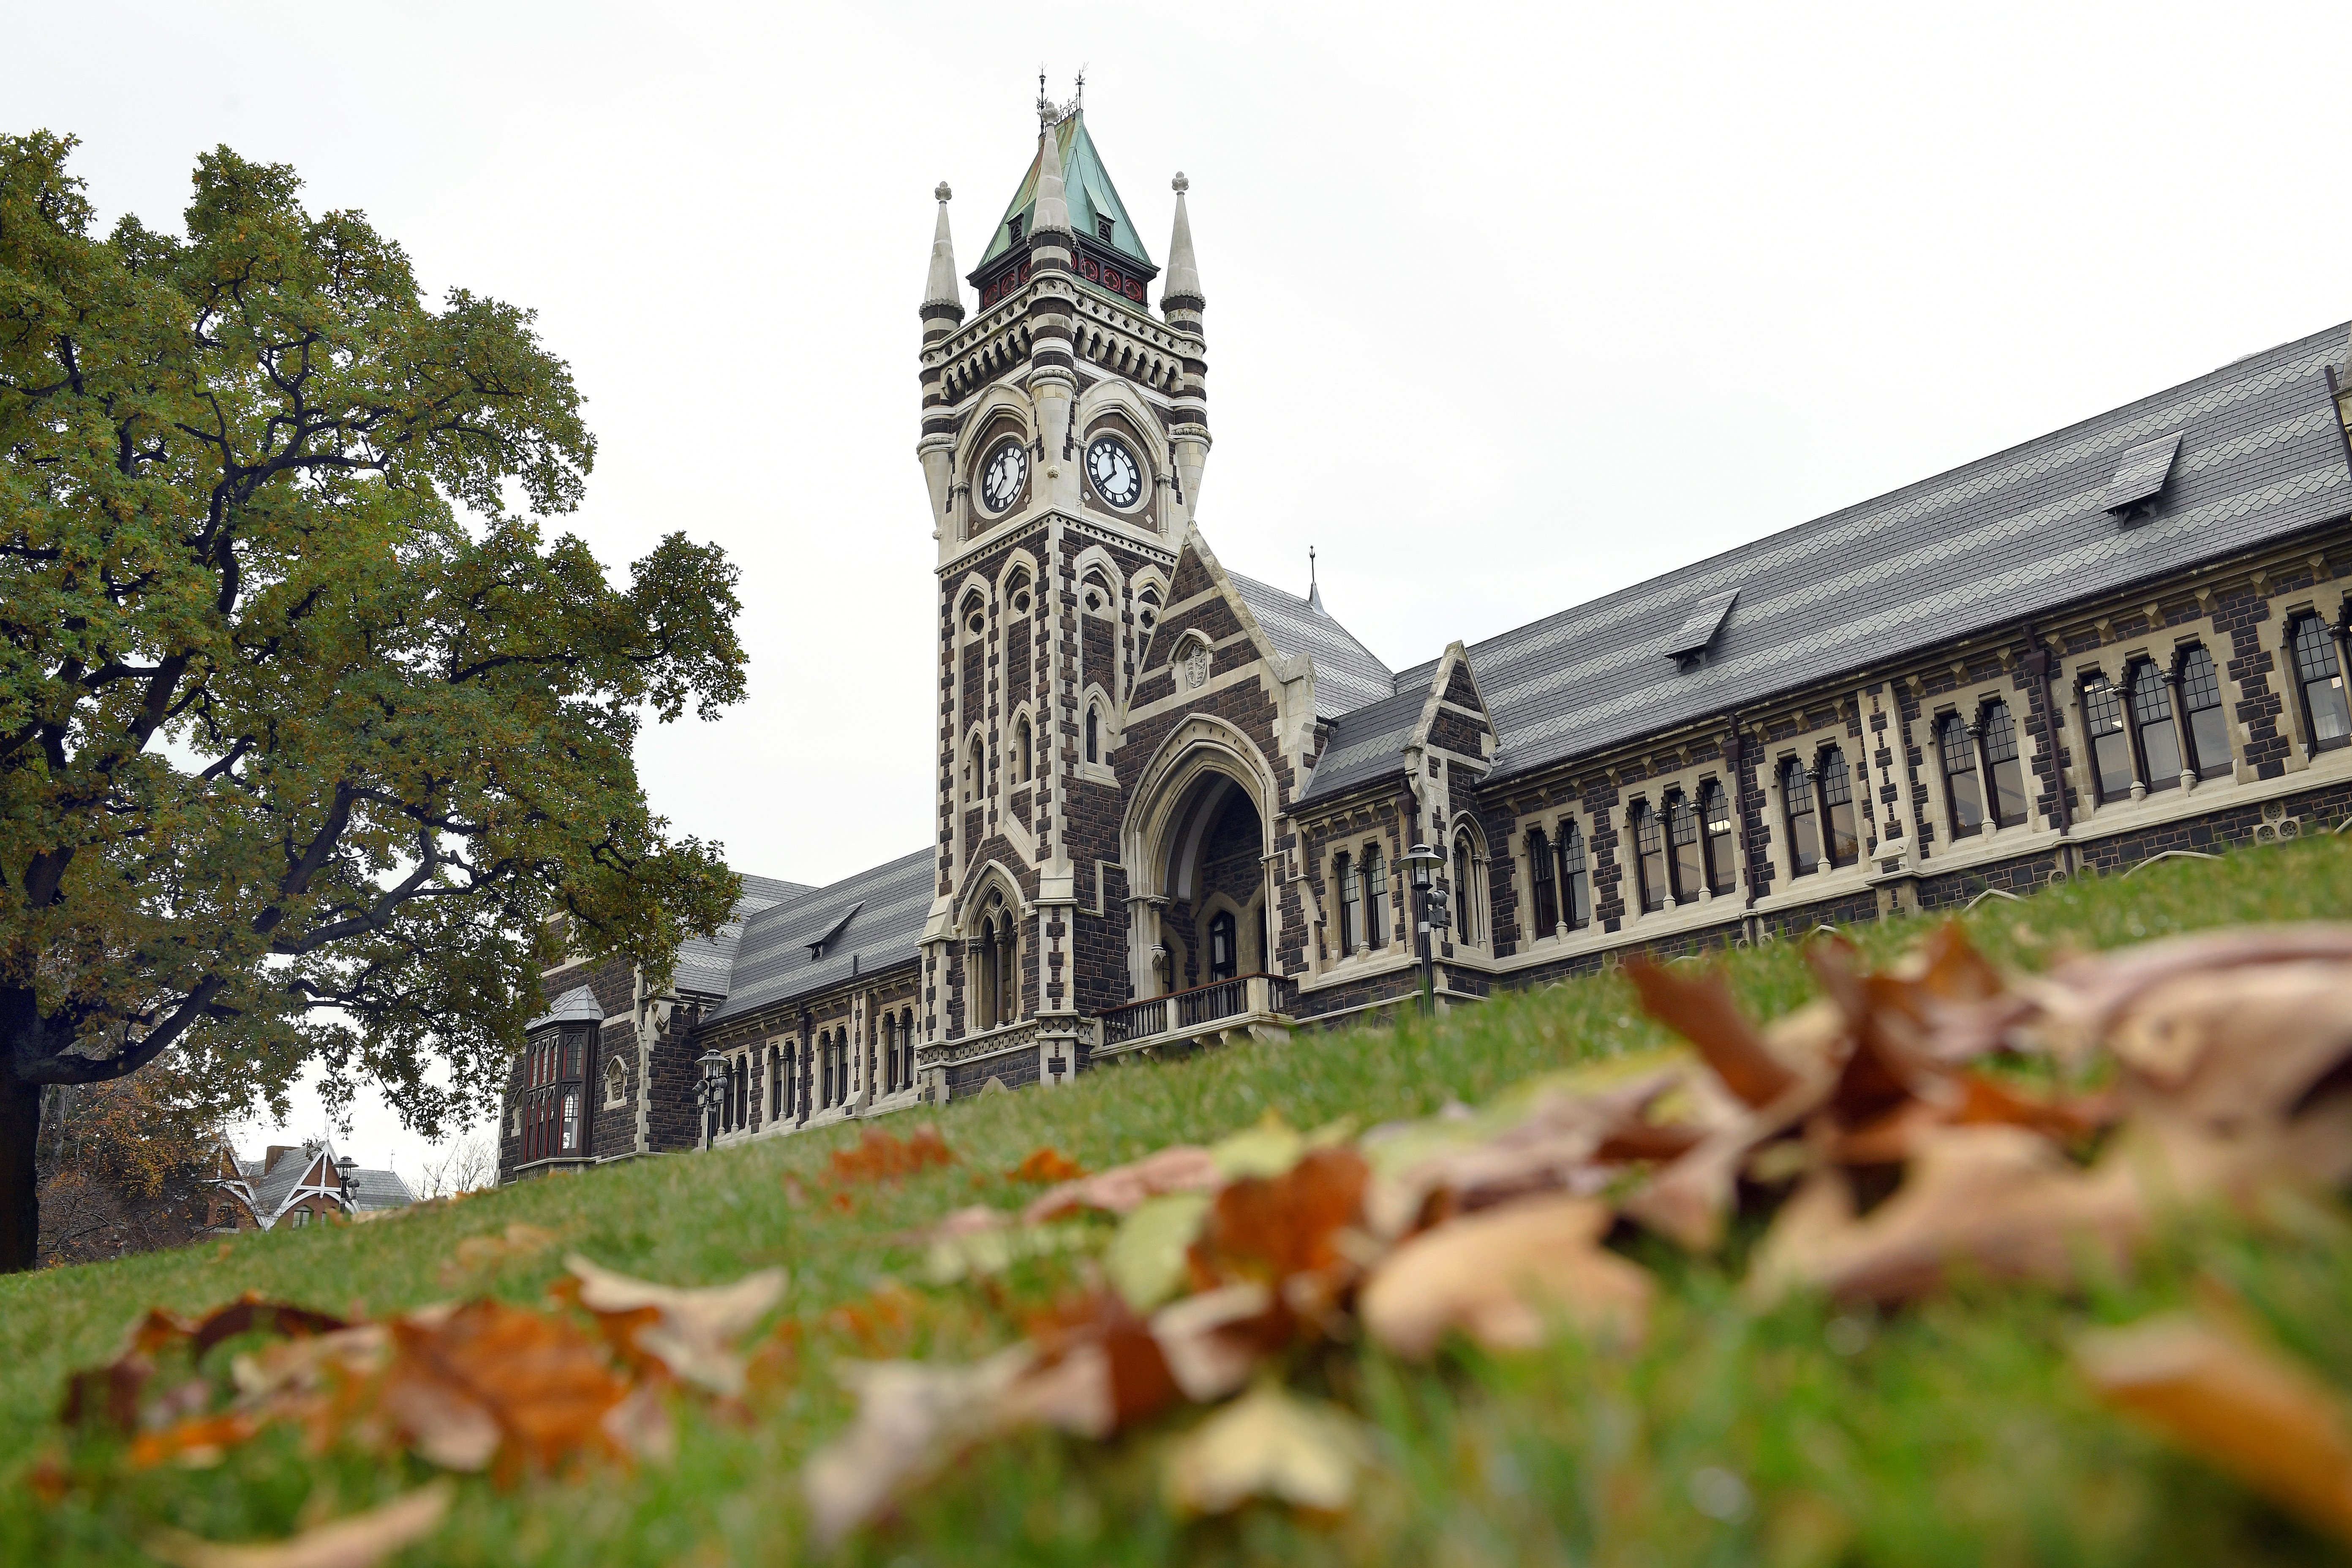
1180,303
942,312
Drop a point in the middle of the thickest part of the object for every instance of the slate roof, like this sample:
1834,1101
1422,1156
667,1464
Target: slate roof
772,963
378,1189
577,1005
1347,675
1365,745
705,963
1086,188
1974,550
275,1185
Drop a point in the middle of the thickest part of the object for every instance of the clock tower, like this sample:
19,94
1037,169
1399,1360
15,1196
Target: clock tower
1064,435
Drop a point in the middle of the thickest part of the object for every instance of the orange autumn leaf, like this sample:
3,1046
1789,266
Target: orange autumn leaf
878,1156
484,1380
1122,1189
2242,1408
1701,1010
1268,1228
1046,1164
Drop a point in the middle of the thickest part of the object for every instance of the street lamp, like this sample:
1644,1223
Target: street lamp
1421,863
708,1092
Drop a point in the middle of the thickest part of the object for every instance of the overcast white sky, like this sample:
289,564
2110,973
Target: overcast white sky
1508,306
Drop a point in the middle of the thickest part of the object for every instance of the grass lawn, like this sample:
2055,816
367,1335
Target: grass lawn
1952,1432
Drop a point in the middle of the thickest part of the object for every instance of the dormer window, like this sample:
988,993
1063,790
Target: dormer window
1103,227
1013,230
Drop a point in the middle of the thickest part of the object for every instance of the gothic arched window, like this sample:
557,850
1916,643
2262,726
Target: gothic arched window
1343,872
1804,827
1094,733
1467,890
2209,729
1649,856
1682,845
2319,672
1845,837
2158,733
1963,785
1543,885
1714,818
1225,955
1575,878
616,1083
2111,747
2005,764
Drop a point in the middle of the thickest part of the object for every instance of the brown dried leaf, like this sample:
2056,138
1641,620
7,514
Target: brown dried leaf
2091,993
2243,1409
544,1387
1999,1200
912,1417
1268,1444
878,1156
690,1332
1500,1274
480,1255
1213,1341
357,1542
1046,1164
1098,1369
2237,1048
1181,1169
1701,1010
1686,1202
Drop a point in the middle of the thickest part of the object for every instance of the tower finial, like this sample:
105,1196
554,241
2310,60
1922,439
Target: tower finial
1053,211
1314,589
1180,289
940,295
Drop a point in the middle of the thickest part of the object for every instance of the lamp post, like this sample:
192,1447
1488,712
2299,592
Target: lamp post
706,1093
1422,862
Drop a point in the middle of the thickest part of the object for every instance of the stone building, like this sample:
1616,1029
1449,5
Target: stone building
1173,804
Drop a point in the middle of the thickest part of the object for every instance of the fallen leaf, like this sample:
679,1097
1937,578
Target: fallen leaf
1268,1444
1146,1259
2239,1046
1999,1200
1211,1341
692,1332
357,1542
483,1381
1701,1010
878,1156
2242,1408
1292,1231
480,1255
1181,1169
1046,1164
1501,1275
912,1417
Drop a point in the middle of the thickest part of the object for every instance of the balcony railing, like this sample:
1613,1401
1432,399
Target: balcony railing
1220,999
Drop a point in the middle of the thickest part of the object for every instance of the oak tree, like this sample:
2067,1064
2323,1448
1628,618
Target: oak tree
308,732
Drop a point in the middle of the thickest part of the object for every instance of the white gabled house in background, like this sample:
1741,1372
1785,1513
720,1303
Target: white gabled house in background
296,1184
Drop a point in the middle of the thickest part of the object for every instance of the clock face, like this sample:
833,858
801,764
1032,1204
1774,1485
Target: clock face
1118,477
1000,480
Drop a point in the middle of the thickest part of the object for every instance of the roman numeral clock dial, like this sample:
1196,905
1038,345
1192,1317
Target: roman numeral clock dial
1000,480
1117,476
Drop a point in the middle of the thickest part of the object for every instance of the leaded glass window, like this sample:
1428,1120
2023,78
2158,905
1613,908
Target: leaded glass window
2008,768
1682,841
1804,829
1714,817
1650,855
1543,885
2321,680
1845,822
2110,756
1575,878
2209,727
2159,738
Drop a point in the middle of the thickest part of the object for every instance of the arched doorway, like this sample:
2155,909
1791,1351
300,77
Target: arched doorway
1213,923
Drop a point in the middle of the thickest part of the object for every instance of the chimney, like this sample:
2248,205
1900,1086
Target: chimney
270,1158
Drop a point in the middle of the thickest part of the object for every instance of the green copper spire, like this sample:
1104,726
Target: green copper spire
1091,198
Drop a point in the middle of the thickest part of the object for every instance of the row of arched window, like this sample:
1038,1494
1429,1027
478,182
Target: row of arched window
991,973
822,1078
1370,916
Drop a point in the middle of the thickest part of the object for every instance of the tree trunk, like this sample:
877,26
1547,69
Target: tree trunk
20,1187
